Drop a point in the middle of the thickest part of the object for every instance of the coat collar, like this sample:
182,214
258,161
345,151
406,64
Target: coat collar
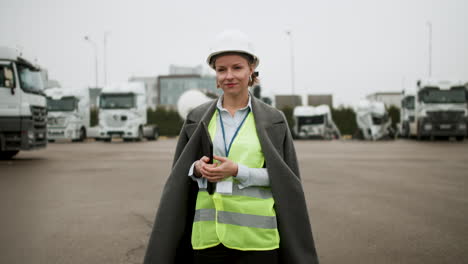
270,123
265,115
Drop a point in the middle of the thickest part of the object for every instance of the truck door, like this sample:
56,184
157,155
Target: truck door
10,96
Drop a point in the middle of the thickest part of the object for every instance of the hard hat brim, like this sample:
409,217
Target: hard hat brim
255,63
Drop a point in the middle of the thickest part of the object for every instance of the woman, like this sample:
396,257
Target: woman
258,210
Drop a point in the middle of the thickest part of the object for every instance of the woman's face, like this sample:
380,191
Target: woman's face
233,73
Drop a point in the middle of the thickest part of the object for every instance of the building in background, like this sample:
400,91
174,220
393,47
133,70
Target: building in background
320,99
184,70
388,98
171,87
292,101
151,88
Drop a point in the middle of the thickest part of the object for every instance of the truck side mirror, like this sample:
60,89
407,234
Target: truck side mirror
9,80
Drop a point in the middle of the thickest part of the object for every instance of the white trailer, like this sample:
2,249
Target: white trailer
68,115
407,119
23,113
123,113
373,120
314,122
440,110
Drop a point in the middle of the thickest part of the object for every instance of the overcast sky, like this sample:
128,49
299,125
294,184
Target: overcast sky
346,48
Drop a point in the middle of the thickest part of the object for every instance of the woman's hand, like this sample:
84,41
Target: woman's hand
218,171
199,164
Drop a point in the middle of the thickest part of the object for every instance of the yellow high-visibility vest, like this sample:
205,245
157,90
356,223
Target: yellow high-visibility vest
245,219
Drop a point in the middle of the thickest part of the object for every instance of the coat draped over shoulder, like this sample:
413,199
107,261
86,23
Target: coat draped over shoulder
170,240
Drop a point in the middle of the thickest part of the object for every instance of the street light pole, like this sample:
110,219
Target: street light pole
429,25
95,59
289,33
106,34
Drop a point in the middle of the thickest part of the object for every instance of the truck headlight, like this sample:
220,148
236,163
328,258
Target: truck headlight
428,126
30,135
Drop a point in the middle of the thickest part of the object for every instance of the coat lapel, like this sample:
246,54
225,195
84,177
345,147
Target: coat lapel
204,115
270,127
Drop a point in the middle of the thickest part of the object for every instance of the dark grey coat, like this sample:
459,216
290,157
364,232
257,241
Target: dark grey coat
170,240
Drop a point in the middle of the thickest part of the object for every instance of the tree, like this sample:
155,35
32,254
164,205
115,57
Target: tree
288,113
345,119
394,114
94,116
168,121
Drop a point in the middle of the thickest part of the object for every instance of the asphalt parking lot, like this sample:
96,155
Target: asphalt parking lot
370,202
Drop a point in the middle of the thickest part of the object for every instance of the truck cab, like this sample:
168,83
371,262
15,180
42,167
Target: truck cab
314,122
23,112
440,110
122,113
373,120
68,115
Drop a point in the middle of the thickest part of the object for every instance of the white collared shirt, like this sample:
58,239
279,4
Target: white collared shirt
245,176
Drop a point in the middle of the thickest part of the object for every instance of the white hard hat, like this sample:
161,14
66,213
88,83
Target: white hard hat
232,41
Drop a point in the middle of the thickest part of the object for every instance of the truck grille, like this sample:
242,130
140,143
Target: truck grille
56,121
445,116
39,116
116,121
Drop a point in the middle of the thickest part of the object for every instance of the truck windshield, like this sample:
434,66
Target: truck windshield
311,120
433,95
66,104
117,101
30,79
408,102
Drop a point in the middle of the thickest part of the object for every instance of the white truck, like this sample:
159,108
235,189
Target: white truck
314,122
407,119
440,110
23,112
123,113
68,115
373,121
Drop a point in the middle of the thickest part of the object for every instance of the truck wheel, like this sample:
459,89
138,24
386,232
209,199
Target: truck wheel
82,134
6,155
140,134
155,135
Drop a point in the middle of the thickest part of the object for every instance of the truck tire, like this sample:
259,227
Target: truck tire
155,134
140,134
6,155
82,136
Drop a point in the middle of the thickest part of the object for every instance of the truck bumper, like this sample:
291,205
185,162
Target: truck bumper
106,134
55,133
442,129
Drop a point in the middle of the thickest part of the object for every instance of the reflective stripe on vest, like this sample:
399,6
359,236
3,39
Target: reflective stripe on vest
244,219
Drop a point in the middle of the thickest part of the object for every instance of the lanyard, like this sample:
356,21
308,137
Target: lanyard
227,149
